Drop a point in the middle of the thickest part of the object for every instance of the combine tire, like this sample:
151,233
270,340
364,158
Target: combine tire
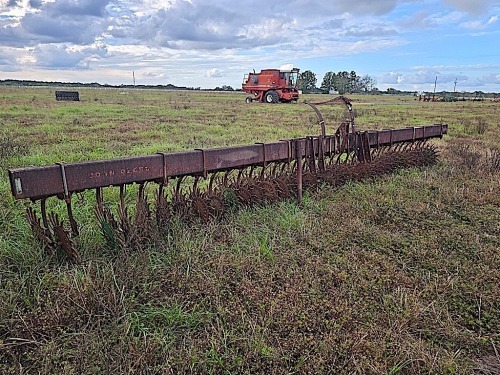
249,99
271,97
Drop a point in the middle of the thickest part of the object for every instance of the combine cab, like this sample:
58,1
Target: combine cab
272,86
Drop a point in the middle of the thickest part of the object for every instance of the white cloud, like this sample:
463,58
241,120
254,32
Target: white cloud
155,75
202,42
215,73
479,25
64,21
425,19
472,25
492,20
391,78
62,56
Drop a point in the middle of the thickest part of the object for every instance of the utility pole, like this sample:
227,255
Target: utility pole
435,83
133,77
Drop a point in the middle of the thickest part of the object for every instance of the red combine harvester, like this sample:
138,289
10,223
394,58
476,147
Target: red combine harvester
272,85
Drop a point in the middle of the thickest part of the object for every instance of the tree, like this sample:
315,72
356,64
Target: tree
329,81
224,88
367,83
353,82
342,83
307,81
347,82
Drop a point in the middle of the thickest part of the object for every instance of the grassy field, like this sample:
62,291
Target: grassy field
398,275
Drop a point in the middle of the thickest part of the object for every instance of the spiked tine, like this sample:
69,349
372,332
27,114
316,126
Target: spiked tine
72,221
298,156
43,208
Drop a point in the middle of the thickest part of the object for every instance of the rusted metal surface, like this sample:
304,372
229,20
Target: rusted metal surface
338,100
62,179
205,184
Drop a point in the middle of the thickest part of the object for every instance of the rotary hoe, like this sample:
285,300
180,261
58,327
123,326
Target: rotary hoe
205,184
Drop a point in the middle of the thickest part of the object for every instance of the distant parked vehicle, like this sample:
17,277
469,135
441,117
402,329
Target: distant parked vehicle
272,85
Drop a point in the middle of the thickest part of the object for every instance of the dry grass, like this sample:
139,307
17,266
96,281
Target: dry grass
397,275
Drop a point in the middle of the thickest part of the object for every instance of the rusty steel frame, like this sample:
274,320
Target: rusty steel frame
62,180
338,100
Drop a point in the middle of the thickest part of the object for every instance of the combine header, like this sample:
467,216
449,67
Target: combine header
205,184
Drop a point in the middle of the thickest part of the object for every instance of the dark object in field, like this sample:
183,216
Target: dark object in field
205,184
68,96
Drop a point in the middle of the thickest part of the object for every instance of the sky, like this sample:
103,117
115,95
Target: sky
401,44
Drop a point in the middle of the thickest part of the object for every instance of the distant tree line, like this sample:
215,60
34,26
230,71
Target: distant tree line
15,82
224,88
29,83
343,82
